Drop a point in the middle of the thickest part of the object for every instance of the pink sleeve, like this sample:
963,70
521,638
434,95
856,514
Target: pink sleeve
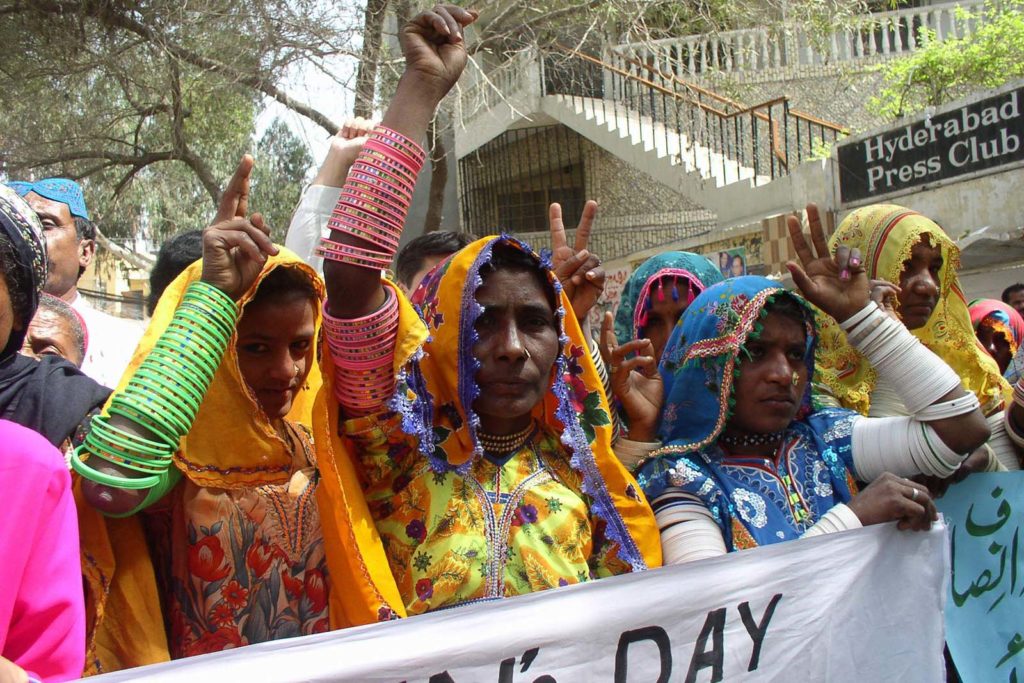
42,617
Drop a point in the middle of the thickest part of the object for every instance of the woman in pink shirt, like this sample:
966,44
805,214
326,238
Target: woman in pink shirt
42,608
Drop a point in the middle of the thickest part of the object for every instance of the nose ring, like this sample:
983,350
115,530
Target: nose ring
527,352
298,370
796,377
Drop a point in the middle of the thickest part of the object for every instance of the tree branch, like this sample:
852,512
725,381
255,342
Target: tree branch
106,13
140,261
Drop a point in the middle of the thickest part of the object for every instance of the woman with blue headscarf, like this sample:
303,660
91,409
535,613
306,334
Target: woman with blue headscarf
746,460
654,297
658,292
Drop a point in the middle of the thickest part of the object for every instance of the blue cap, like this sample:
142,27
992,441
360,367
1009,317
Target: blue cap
56,189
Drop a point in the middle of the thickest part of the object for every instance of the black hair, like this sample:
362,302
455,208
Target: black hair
64,310
18,278
85,229
784,304
176,254
507,257
282,283
1009,291
441,243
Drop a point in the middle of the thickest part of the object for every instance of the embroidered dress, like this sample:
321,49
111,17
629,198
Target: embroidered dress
234,554
497,530
241,566
425,475
754,501
757,501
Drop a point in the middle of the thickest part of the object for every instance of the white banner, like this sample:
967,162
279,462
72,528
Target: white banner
864,605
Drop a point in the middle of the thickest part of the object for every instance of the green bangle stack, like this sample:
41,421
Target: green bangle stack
163,396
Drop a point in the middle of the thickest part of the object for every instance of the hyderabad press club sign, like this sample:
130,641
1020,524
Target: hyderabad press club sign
980,136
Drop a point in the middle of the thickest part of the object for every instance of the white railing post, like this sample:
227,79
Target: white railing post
790,44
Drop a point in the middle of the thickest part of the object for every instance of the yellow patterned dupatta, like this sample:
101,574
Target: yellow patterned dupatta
435,389
886,234
231,445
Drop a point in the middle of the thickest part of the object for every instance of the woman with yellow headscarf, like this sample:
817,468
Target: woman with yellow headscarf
475,421
197,499
903,248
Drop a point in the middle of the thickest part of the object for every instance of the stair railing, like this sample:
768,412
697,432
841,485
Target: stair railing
698,126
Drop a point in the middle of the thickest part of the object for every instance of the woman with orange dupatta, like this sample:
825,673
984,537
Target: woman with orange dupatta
223,547
474,421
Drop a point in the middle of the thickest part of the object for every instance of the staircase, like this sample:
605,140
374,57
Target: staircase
709,148
657,147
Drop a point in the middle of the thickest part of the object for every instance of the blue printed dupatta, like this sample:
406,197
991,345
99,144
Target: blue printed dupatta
755,501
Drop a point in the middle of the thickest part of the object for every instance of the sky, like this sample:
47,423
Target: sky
313,87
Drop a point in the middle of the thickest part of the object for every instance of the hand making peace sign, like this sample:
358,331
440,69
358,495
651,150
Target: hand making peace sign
836,284
578,270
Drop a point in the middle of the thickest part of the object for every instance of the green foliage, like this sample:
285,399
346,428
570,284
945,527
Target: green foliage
943,71
282,162
151,104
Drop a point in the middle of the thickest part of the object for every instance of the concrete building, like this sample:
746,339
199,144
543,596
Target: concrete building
662,134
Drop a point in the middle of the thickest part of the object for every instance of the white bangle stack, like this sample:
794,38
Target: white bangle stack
918,375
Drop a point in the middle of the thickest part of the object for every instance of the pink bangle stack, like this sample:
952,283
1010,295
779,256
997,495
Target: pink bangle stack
374,201
363,350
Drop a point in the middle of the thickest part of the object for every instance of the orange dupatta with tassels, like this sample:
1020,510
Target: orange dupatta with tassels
438,352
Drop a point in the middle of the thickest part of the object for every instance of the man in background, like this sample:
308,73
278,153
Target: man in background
417,257
56,329
70,247
1013,296
176,254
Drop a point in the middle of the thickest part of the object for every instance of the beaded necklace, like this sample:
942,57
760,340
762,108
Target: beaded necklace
750,440
505,443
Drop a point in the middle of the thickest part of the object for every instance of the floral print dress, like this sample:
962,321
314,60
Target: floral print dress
500,529
241,566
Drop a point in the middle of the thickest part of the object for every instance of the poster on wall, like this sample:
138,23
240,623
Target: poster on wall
733,262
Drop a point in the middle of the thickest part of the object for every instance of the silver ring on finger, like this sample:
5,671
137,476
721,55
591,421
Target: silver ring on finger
913,494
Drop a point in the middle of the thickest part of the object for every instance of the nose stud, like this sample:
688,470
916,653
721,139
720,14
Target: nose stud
796,377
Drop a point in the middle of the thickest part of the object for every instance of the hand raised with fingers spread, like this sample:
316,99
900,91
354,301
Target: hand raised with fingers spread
235,247
837,285
635,381
579,271
434,46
